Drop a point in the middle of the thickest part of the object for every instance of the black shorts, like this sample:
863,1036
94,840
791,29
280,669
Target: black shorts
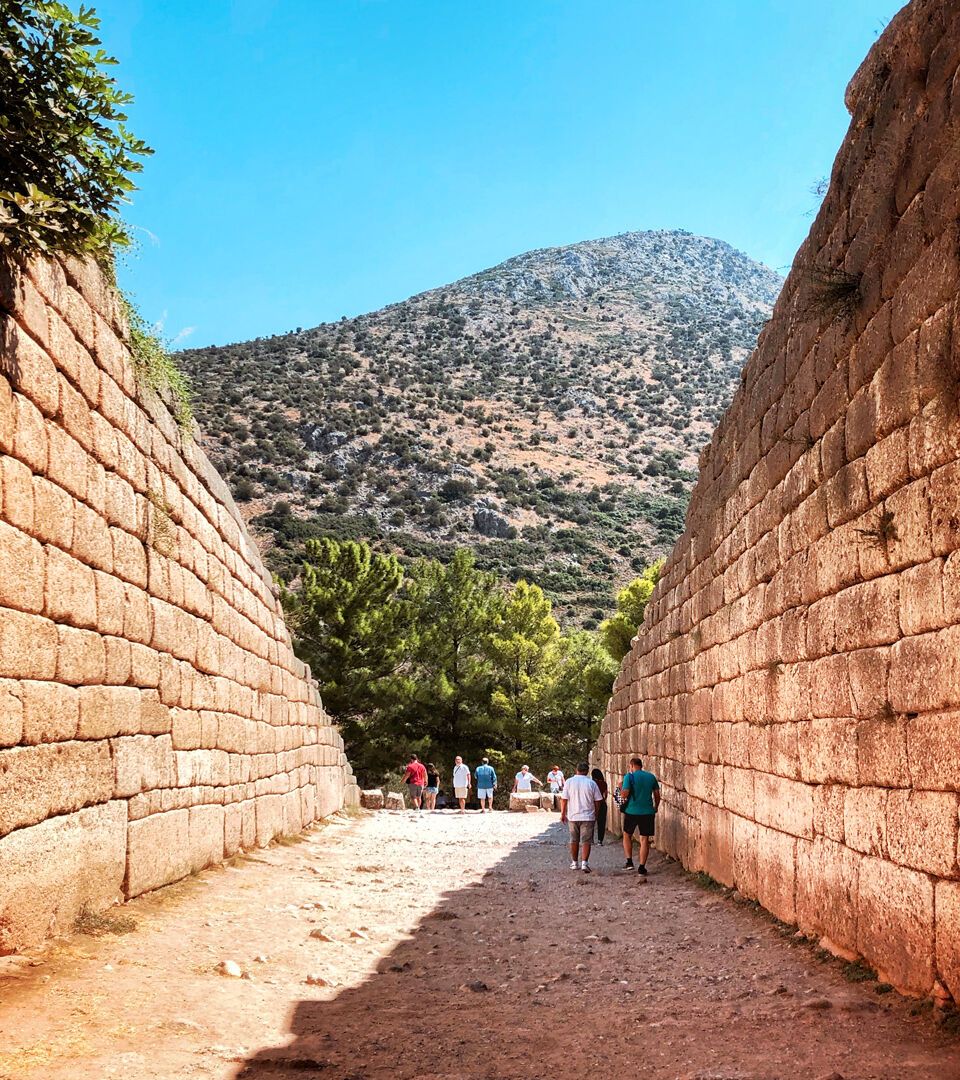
642,823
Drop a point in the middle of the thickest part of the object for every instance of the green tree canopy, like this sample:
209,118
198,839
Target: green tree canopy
455,607
521,647
617,632
65,154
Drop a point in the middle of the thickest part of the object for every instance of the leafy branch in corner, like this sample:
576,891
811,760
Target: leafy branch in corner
66,156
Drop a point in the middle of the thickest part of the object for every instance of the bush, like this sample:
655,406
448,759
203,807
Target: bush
65,156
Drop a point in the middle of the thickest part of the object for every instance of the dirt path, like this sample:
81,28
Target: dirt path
461,947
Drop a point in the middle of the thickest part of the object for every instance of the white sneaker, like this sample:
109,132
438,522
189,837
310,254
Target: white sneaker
573,866
586,868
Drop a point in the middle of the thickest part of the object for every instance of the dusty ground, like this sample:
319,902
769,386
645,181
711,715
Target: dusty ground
480,955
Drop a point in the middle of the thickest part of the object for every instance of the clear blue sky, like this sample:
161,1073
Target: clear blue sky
316,158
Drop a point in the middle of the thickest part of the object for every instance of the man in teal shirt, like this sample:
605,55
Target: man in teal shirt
641,793
486,784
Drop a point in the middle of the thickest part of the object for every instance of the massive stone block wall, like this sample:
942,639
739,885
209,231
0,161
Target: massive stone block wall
796,681
153,717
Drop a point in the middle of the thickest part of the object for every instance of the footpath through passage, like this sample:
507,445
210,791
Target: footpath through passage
454,947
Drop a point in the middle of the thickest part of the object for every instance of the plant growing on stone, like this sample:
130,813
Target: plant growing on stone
66,157
831,291
884,532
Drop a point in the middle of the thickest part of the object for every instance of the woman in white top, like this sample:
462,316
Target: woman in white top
524,780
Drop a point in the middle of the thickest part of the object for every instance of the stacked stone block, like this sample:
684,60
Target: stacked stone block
153,716
796,681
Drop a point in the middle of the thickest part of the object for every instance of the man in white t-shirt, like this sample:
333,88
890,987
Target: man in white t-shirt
578,807
461,782
555,780
524,780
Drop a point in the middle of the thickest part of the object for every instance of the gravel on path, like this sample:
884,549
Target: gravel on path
447,946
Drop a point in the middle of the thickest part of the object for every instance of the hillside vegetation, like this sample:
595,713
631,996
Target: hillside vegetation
546,413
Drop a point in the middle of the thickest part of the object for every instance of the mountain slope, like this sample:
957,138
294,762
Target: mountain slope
547,412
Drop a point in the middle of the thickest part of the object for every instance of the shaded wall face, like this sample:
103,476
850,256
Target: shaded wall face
153,717
796,682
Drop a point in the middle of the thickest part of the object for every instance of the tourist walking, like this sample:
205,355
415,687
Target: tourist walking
578,807
524,780
599,779
432,789
486,777
640,795
555,780
416,780
461,782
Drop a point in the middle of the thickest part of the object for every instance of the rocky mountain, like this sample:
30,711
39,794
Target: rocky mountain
547,412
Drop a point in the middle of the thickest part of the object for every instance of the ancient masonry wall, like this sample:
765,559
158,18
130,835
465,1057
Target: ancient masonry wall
796,681
153,717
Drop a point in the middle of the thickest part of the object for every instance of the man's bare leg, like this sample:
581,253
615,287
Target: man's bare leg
463,804
644,849
628,847
584,853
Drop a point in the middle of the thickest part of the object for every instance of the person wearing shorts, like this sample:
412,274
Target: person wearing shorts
486,777
641,793
578,808
461,783
432,790
416,780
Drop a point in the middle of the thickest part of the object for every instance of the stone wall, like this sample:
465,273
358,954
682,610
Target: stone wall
153,717
796,681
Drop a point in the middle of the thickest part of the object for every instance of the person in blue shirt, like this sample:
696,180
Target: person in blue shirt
641,794
486,777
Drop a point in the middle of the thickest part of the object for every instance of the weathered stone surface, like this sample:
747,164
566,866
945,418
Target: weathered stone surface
520,800
393,801
158,851
144,661
51,871
813,601
895,924
37,782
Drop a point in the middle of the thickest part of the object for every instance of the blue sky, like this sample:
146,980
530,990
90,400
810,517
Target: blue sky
319,158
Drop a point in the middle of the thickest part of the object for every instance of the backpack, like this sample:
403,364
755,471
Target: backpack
621,797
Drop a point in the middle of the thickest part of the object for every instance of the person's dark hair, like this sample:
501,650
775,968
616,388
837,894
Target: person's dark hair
431,767
596,776
637,761
413,757
583,768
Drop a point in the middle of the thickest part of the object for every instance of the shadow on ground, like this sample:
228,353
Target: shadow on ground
536,969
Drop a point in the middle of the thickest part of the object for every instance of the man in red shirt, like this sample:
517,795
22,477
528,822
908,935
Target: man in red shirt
416,780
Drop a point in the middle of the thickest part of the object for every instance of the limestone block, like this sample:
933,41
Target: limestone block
828,804
937,655
783,804
51,712
932,742
828,751
394,801
827,890
107,711
269,818
21,570
81,656
922,830
158,851
865,820
71,593
16,482
51,871
948,935
745,856
28,646
776,872
142,762
868,671
520,800
738,791
205,836
53,513
11,713
717,843
882,752
54,778
155,717
895,930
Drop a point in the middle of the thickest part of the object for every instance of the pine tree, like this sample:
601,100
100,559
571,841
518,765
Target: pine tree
617,632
